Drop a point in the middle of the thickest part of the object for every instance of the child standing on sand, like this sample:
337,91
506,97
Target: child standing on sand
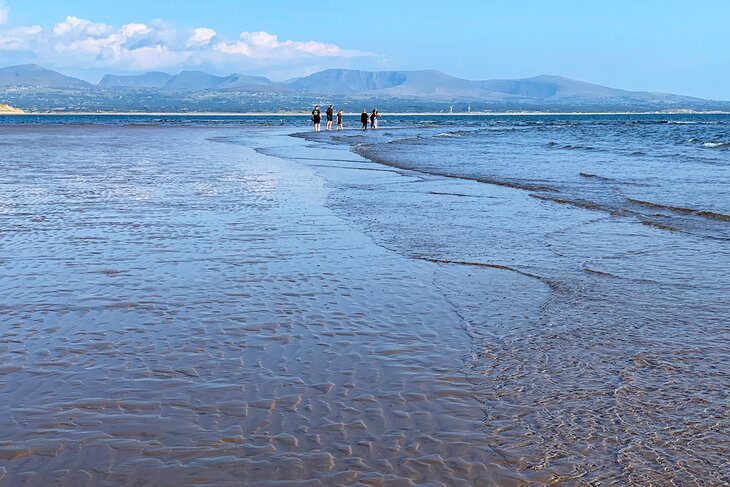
339,120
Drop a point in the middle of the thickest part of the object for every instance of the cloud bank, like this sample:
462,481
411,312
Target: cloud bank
84,44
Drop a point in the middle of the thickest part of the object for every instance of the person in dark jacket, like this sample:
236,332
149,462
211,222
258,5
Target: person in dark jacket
330,116
316,117
364,119
374,119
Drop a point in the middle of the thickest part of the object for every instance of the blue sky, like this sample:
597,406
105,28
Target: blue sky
670,45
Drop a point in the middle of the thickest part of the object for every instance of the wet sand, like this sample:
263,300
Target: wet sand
236,307
179,309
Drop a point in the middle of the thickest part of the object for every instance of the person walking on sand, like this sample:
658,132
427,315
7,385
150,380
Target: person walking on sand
364,119
330,114
339,120
374,119
316,118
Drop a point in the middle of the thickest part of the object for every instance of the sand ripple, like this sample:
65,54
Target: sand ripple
178,310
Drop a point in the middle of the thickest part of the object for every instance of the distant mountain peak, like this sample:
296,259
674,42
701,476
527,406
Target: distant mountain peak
344,81
153,79
34,75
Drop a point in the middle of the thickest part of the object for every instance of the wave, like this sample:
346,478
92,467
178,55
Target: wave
644,219
717,145
579,202
674,122
610,203
661,226
696,122
553,284
408,140
578,147
548,193
682,210
555,145
710,144
588,175
361,149
588,270
456,133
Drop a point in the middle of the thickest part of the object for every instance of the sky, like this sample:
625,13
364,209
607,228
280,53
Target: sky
675,46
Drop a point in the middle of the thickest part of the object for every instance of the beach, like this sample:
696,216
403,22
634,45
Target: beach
237,331
220,304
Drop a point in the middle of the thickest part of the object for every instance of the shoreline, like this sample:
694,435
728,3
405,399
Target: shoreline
349,114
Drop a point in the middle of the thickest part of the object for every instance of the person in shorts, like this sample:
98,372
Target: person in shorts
316,117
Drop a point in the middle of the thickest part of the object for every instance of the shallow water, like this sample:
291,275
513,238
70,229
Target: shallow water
230,304
624,375
180,310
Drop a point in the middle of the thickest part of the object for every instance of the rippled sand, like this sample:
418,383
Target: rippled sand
179,308
620,375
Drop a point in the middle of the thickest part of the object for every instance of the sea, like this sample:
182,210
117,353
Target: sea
587,258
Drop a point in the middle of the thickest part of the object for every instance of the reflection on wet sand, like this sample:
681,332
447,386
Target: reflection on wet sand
183,311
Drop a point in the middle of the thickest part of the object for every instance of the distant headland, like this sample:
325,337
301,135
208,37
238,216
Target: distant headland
7,109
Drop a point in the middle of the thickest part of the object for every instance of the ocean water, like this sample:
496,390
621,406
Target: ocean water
625,367
452,299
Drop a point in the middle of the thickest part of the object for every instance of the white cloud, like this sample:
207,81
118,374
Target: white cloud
134,29
20,38
263,40
262,45
76,42
235,48
74,26
201,37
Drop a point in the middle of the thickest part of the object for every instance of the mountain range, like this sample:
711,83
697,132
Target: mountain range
187,80
425,85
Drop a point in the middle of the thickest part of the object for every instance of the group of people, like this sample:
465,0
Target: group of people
330,114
